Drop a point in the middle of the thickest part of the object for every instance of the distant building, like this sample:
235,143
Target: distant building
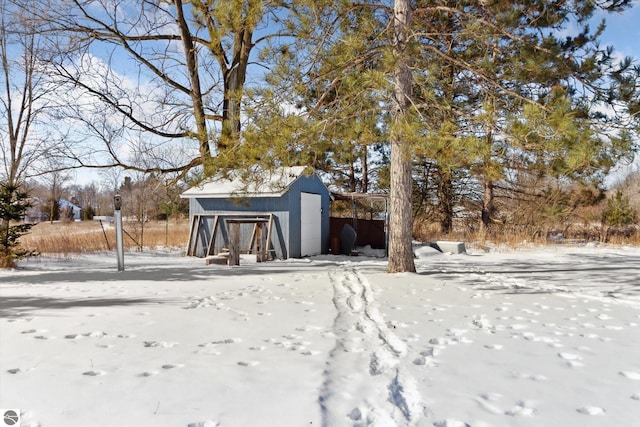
65,206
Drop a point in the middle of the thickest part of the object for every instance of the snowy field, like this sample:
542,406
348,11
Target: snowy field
539,337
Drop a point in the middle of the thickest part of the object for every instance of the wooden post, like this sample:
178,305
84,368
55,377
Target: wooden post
254,235
193,235
268,245
234,243
212,242
260,243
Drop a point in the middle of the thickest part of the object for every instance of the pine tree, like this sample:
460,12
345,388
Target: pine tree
619,211
459,83
529,98
13,205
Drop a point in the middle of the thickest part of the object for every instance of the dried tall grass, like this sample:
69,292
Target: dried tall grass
88,236
513,237
66,239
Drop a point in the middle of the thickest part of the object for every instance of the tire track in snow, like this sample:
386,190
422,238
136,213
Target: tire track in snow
364,382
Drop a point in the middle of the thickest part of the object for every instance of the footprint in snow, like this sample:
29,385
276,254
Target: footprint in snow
450,422
292,337
573,360
521,410
95,334
148,373
463,340
518,326
208,352
425,361
355,414
480,321
526,376
491,397
105,346
164,344
494,346
430,351
631,375
94,373
440,341
248,363
172,366
486,402
208,423
308,328
353,348
381,361
591,410
227,341
636,396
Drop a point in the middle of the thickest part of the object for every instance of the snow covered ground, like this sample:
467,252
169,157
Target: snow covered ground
539,337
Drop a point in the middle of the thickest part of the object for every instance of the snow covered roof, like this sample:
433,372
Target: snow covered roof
260,184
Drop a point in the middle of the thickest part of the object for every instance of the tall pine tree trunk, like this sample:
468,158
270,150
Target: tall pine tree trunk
234,79
365,171
487,206
400,223
233,86
446,195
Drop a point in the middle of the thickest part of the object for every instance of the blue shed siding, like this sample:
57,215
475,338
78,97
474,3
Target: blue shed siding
286,209
308,184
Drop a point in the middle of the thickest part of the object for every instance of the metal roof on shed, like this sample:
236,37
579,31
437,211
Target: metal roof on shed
261,184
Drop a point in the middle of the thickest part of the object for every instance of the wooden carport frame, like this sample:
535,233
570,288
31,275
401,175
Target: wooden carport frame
197,224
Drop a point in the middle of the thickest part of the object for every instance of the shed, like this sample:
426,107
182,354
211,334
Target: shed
294,204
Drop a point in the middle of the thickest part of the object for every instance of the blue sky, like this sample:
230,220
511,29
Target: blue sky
623,30
623,33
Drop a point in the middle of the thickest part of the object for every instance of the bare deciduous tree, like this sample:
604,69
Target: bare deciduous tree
23,100
169,73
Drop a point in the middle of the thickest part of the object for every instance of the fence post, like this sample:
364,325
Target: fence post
117,204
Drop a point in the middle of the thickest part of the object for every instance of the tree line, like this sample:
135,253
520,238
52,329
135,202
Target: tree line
147,198
442,104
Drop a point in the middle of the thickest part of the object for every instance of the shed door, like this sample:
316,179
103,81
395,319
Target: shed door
310,224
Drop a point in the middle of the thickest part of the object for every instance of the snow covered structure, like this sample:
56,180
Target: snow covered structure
65,205
294,205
